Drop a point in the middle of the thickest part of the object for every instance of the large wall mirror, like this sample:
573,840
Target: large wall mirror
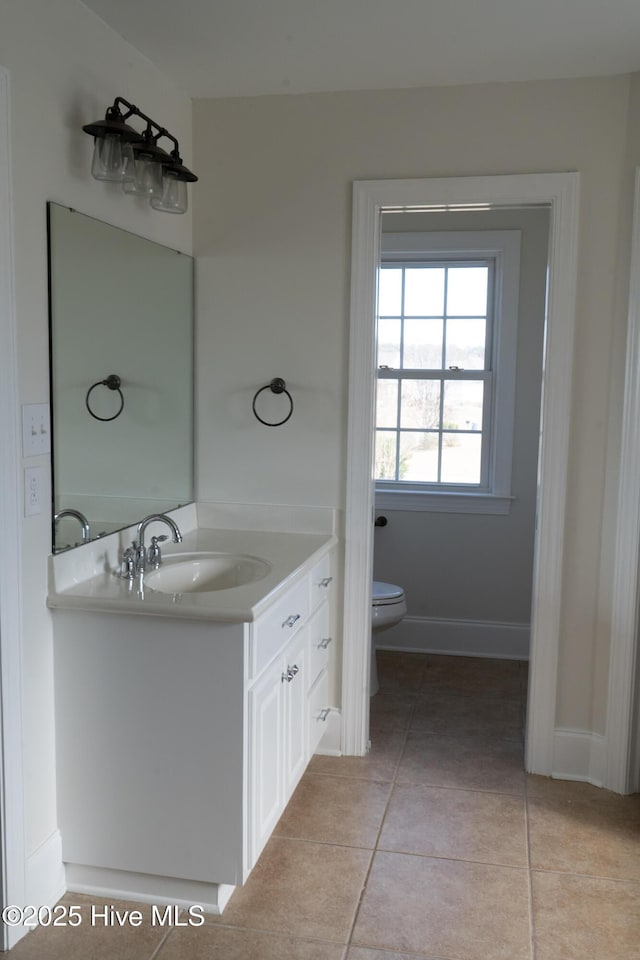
121,352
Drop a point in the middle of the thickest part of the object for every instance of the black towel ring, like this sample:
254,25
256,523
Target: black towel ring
277,385
113,383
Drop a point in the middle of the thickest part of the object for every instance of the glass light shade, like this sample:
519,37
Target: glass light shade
148,179
174,195
112,160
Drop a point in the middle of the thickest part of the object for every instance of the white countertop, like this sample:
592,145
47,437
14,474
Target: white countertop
289,554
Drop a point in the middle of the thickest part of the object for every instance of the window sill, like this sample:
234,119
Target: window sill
432,502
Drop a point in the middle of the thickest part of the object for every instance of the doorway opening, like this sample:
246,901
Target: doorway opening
372,199
460,329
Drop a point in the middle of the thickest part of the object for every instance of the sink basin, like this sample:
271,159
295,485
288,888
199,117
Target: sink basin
205,572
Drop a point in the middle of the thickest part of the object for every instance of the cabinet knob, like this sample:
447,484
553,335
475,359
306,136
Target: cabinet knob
324,643
325,581
290,621
322,716
290,673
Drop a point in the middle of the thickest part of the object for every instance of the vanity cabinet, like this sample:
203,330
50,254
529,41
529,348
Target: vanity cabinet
180,741
288,705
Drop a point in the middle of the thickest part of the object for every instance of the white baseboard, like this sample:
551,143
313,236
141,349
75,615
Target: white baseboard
44,878
471,638
579,755
145,888
44,884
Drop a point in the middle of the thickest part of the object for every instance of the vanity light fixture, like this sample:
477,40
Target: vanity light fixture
133,158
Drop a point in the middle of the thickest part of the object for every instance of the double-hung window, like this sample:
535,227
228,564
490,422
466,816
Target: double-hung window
446,357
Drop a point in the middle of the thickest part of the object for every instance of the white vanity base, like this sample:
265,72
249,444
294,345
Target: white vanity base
146,888
181,737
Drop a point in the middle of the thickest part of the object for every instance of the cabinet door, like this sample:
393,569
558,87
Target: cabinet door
267,757
295,712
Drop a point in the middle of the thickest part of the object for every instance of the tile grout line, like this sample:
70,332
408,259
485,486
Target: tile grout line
392,783
424,856
444,786
161,945
585,876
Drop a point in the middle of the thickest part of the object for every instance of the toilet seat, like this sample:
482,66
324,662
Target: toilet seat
385,594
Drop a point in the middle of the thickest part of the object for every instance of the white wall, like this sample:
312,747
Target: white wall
273,232
65,68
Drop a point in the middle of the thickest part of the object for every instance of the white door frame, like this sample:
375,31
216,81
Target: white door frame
560,192
623,756
12,844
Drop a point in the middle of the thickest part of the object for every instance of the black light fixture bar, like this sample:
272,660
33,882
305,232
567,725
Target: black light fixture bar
114,124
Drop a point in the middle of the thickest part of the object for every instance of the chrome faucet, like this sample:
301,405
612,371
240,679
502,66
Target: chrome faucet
84,523
141,556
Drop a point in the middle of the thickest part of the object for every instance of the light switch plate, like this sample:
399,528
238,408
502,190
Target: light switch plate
36,429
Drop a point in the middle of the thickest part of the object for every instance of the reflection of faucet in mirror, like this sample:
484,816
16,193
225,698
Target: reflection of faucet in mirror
86,529
140,552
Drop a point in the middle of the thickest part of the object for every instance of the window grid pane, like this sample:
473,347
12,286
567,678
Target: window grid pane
420,404
387,404
425,291
468,291
419,456
461,457
389,285
386,457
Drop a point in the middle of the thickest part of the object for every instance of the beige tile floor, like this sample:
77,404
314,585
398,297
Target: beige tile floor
436,845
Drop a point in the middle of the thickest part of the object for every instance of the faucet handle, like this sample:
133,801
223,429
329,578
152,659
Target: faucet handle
128,564
154,557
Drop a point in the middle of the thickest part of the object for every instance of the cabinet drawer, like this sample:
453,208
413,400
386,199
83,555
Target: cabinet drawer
319,640
273,629
318,710
320,581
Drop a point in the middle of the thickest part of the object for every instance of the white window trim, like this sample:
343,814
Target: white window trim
442,502
504,247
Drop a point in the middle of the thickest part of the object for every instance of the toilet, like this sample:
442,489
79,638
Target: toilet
388,607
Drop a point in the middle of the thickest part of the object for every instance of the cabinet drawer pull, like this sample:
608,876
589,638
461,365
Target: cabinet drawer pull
324,643
289,673
322,716
290,621
325,581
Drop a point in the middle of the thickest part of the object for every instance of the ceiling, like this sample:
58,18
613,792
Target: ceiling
230,48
